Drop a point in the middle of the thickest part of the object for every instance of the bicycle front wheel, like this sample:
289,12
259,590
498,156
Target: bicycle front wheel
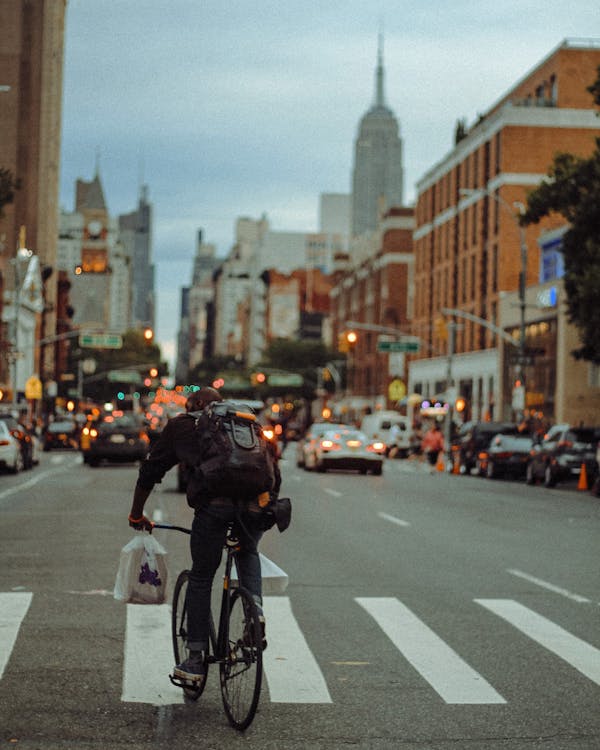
241,667
179,631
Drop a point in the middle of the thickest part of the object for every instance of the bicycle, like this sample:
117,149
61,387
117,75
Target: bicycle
236,646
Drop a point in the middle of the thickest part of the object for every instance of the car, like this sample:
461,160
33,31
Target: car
392,428
473,438
347,449
11,455
506,455
119,438
305,446
62,433
559,456
23,436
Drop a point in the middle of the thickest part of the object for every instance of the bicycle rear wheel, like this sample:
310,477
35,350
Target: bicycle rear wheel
179,630
241,668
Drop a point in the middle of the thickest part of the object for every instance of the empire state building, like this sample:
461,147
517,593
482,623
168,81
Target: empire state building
378,174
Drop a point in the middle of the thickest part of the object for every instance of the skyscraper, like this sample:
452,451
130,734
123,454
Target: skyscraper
378,174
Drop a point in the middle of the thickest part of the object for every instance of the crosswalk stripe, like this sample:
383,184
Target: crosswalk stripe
570,648
451,677
13,608
292,673
149,656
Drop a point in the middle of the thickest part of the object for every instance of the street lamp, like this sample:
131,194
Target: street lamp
520,210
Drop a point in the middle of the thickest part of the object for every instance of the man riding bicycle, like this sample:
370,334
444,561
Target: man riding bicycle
178,443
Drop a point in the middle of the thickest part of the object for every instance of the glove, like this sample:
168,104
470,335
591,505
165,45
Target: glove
140,524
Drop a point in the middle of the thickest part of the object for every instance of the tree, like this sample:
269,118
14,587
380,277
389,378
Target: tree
572,189
8,185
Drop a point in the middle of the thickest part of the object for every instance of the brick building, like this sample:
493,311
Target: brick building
468,246
377,292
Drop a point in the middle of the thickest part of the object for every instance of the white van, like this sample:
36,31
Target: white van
379,424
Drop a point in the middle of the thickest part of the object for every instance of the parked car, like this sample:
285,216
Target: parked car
561,454
473,438
305,445
347,449
506,455
11,456
120,438
24,438
390,427
62,433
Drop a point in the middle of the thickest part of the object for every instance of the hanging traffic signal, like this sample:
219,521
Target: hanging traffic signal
153,372
351,337
440,328
460,404
148,335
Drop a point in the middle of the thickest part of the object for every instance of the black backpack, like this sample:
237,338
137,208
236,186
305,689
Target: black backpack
235,458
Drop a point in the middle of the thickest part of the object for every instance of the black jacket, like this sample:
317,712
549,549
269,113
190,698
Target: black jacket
179,443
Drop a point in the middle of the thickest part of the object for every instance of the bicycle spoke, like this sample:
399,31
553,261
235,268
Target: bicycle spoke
241,670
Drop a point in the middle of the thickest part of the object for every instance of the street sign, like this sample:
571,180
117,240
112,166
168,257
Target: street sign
285,379
398,346
101,340
124,376
33,388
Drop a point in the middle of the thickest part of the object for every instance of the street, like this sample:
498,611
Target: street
423,611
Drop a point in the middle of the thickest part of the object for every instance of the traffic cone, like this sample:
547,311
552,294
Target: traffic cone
456,464
583,483
440,466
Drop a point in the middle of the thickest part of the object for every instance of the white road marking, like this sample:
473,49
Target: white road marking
292,672
13,608
451,677
149,656
38,477
335,493
570,648
549,586
393,519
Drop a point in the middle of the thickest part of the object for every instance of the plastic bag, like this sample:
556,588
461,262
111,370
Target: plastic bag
274,579
142,574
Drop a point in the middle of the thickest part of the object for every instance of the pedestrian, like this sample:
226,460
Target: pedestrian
178,443
432,444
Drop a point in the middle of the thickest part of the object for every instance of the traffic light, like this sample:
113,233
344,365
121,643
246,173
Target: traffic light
148,335
153,372
440,328
460,404
346,340
258,378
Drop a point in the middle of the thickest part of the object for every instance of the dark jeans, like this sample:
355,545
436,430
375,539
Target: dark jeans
206,544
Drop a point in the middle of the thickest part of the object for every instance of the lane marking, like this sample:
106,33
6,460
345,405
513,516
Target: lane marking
292,672
335,493
393,519
146,674
549,586
451,677
13,608
38,477
576,652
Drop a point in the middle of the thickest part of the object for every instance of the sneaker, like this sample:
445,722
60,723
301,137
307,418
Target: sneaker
192,671
262,624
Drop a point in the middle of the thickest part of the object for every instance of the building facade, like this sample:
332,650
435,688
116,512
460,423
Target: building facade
31,72
469,247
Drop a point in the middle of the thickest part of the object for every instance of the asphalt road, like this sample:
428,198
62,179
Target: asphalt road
423,611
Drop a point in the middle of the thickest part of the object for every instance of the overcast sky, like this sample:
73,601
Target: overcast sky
228,109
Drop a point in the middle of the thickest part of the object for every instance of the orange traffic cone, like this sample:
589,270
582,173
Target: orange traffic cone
583,483
456,464
440,466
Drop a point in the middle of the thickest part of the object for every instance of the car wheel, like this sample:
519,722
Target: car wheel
549,478
378,470
94,462
18,464
529,475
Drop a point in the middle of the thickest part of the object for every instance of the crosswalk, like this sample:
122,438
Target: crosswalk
293,673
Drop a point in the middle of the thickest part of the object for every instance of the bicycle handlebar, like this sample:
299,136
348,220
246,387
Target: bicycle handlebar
170,526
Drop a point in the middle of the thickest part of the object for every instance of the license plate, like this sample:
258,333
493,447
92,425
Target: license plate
117,438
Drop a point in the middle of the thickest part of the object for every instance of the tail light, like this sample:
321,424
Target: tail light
377,447
268,433
329,445
4,442
564,444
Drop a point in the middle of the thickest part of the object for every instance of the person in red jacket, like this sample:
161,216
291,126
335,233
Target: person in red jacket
433,443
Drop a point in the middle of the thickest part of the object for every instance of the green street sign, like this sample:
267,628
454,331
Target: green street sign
398,346
285,379
101,340
124,376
